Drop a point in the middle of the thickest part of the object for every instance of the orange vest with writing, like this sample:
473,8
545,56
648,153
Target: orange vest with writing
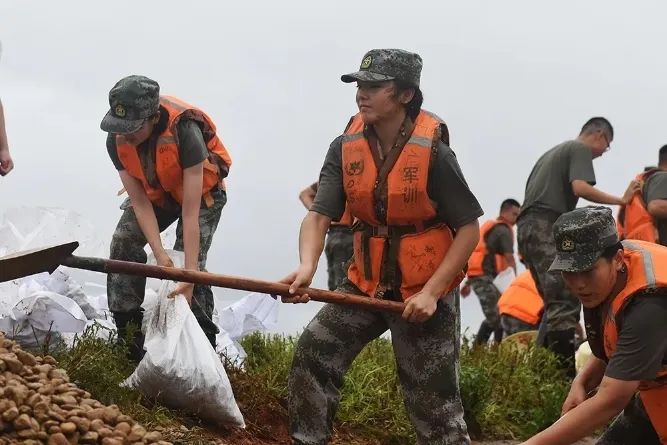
410,230
476,261
634,221
647,269
522,300
167,160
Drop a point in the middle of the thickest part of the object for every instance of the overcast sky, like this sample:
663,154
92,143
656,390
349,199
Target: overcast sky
511,78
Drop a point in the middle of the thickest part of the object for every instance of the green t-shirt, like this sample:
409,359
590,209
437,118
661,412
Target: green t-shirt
641,349
499,241
191,146
655,187
549,185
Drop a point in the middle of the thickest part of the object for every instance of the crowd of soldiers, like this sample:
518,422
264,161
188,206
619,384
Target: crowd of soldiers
401,223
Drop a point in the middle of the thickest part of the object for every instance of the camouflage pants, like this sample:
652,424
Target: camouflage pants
630,427
488,295
427,358
512,325
338,250
126,292
536,244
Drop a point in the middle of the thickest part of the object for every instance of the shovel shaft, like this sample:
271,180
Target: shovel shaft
246,284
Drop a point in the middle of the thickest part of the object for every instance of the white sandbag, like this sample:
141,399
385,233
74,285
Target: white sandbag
180,369
582,356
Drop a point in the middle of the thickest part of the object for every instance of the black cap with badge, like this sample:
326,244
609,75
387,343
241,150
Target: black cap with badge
132,100
581,237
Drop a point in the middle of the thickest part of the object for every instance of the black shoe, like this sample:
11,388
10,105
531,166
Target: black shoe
128,325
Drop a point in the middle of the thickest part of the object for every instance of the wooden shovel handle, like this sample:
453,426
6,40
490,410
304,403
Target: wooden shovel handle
240,283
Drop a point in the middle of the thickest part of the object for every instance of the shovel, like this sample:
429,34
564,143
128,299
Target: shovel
23,264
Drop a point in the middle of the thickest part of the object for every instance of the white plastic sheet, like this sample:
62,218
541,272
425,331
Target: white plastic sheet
180,368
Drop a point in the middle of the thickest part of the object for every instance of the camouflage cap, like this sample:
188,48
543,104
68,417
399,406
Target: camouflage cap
581,236
379,65
132,100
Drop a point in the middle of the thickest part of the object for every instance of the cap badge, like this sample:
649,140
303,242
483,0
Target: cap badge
567,245
120,110
366,63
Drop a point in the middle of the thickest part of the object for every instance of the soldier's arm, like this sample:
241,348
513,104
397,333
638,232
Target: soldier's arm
192,187
307,196
143,209
6,162
582,421
658,208
583,189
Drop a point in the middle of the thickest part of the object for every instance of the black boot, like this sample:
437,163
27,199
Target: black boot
485,331
561,343
498,334
129,324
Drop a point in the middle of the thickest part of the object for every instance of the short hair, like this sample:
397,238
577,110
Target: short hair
662,155
610,252
413,107
509,203
598,124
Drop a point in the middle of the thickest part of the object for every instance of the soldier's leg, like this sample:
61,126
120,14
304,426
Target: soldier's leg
512,325
202,295
427,358
325,351
126,292
631,426
488,295
561,307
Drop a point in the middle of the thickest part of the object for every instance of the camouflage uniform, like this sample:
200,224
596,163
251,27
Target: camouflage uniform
561,308
488,295
512,325
427,354
338,250
133,100
126,292
427,358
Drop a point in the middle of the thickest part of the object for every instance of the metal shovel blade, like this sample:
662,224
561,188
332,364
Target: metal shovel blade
30,262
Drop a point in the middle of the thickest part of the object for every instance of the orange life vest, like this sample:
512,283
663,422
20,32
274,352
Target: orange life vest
403,250
522,300
167,163
647,269
476,261
634,221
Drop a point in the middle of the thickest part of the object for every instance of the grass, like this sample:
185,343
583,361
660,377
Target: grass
507,393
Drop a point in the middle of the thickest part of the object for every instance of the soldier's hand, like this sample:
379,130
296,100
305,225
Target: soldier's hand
162,259
301,278
420,307
574,398
184,289
465,290
6,162
634,187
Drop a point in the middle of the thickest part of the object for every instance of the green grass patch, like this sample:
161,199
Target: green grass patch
506,392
